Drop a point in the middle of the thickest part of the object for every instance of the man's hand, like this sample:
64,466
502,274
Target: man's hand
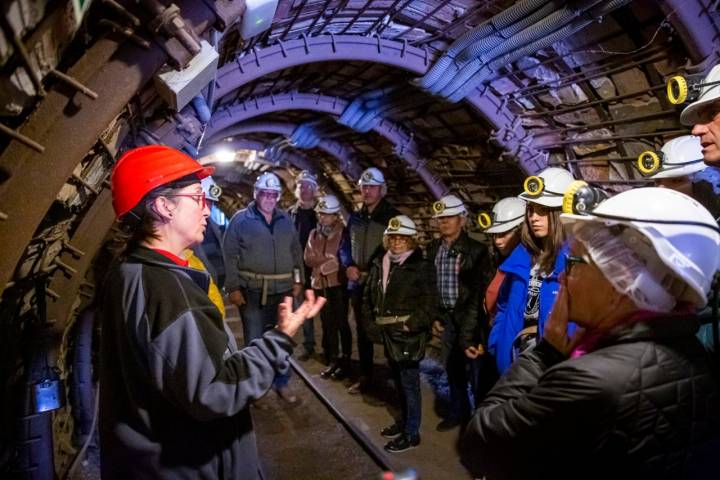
289,321
475,352
297,289
353,273
556,326
437,328
236,298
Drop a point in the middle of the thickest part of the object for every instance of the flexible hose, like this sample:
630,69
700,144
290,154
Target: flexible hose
538,31
85,446
498,22
573,27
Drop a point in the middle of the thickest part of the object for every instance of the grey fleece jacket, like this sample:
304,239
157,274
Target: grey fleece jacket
174,386
251,244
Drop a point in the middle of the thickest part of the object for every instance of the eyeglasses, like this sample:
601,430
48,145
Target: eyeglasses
571,260
198,197
265,194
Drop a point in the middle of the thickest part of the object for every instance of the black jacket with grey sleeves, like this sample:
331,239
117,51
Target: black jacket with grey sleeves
174,386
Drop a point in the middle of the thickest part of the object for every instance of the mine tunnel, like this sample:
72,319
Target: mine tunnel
502,214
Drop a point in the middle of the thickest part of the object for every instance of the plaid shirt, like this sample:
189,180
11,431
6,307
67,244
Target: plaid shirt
447,265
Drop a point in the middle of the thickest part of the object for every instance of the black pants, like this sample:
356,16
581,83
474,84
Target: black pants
365,345
407,381
335,325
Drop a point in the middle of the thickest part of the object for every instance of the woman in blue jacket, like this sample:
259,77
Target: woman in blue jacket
532,269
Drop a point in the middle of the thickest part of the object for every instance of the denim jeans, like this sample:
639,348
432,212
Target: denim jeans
258,319
407,380
460,373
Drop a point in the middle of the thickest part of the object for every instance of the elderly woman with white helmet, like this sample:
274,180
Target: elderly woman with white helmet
532,269
399,301
632,395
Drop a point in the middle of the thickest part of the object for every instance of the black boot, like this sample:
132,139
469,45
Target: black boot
330,371
404,442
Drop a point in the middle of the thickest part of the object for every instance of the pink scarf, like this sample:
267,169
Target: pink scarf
590,340
386,265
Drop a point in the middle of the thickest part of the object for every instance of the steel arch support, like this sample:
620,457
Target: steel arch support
510,134
404,143
324,48
336,149
693,20
294,158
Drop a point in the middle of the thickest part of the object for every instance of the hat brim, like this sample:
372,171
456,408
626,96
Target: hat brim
679,172
506,227
691,114
205,172
552,202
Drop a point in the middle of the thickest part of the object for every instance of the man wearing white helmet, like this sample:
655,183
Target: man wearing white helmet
327,254
703,114
303,215
504,228
461,269
263,263
633,395
366,227
673,167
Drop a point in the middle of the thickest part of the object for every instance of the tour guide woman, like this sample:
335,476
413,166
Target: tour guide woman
633,396
174,386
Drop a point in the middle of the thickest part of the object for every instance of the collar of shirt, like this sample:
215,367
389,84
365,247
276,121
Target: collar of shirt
176,260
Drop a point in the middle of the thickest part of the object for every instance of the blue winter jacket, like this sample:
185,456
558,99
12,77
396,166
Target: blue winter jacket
510,314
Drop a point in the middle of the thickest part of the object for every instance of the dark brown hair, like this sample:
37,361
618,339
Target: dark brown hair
544,251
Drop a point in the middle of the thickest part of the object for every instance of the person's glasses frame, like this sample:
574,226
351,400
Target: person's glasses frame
202,202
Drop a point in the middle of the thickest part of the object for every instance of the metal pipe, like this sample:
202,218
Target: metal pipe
74,83
614,137
601,101
126,32
22,138
606,123
124,12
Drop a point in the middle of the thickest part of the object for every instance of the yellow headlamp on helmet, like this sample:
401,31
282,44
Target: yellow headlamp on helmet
438,207
394,224
580,198
533,186
484,220
648,162
677,90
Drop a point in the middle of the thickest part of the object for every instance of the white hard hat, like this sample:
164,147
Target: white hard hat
328,204
507,214
268,181
684,237
548,187
448,206
306,176
679,157
401,225
371,176
710,91
211,189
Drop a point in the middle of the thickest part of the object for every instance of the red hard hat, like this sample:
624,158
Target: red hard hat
143,169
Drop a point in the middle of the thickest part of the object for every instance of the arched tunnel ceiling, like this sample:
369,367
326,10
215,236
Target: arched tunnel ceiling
590,101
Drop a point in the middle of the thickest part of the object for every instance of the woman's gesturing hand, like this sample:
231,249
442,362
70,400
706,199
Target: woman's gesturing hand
290,320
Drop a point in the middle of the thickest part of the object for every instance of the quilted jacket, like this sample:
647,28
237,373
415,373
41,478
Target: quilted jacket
644,404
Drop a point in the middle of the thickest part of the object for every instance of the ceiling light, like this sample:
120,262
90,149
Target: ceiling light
225,156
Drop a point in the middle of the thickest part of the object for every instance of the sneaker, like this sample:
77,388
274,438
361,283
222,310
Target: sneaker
286,394
339,374
392,431
361,386
447,424
403,442
330,371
